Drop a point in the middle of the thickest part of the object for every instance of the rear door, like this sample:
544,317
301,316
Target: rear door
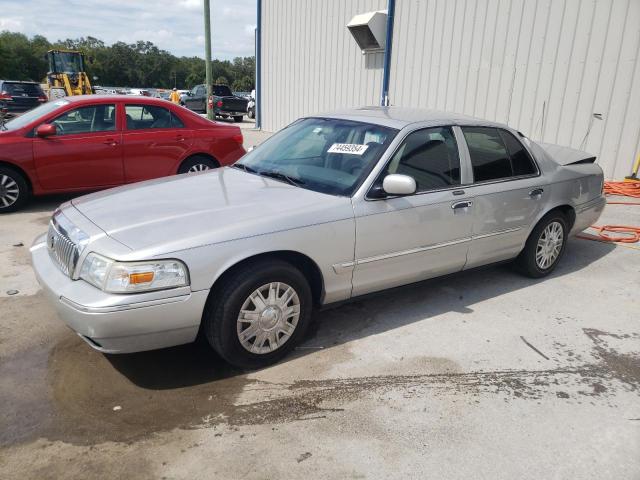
154,142
509,194
86,152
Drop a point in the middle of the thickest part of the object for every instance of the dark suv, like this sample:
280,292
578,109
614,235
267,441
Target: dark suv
20,96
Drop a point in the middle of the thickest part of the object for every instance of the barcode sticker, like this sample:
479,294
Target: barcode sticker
349,148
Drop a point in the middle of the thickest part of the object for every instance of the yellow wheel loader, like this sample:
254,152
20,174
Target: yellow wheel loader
66,75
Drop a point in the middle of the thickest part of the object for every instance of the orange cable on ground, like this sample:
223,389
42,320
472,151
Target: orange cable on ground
630,234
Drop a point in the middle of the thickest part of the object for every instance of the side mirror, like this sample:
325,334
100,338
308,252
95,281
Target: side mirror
396,184
46,130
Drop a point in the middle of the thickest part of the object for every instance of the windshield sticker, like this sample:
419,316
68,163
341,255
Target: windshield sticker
349,148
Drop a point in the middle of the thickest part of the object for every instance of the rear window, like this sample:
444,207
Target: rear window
31,89
496,154
222,91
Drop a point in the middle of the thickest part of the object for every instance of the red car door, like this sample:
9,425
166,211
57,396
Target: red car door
154,142
85,152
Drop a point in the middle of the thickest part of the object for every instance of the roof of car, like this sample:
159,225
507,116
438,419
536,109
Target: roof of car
83,98
400,117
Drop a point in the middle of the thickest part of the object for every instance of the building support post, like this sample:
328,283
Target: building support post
384,98
258,98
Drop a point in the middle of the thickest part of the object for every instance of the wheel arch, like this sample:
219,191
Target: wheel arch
304,263
197,154
19,170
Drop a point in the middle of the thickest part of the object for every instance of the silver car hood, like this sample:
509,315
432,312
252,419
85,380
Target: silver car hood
187,211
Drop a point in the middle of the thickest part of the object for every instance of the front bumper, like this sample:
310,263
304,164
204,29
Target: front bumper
123,323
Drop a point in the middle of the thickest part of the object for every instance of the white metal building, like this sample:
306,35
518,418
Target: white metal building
544,67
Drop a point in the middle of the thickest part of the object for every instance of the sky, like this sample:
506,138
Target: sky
173,25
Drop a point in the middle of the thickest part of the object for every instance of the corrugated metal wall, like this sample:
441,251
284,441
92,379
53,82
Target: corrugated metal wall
310,62
542,66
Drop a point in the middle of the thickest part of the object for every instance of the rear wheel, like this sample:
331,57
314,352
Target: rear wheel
14,190
544,247
258,314
237,118
197,163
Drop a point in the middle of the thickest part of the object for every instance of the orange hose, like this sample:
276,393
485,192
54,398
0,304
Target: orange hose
625,189
630,234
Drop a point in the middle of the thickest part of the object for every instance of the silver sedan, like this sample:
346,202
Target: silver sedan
330,208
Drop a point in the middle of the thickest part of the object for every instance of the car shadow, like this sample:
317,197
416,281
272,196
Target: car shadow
195,364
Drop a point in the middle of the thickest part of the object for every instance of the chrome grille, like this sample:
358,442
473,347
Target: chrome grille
62,250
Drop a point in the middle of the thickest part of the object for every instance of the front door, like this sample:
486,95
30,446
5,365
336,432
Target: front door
508,191
406,239
86,151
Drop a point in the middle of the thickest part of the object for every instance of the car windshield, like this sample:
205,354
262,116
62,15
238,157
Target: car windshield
31,115
327,155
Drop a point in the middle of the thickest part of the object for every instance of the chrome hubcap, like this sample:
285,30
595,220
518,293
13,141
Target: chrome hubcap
199,167
268,317
9,191
549,245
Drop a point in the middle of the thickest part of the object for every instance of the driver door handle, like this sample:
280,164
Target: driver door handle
110,141
536,192
464,204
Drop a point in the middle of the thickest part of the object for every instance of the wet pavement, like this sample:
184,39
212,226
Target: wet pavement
481,374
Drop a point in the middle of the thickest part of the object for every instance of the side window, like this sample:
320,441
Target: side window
142,117
520,159
430,156
489,157
96,118
200,90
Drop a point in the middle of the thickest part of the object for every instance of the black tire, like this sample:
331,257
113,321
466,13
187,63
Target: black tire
526,262
197,163
220,318
14,190
251,114
238,118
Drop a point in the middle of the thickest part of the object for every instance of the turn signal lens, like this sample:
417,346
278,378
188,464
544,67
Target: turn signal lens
137,278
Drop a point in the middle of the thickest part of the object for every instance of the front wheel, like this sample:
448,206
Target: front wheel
544,247
259,314
14,190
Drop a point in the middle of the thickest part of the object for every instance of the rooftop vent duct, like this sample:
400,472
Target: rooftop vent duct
369,30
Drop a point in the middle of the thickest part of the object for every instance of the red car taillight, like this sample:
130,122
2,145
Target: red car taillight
238,138
42,98
219,104
5,96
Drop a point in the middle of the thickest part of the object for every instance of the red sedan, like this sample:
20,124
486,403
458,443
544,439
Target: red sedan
94,142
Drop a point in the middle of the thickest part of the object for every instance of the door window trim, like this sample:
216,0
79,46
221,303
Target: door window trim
54,117
462,155
504,179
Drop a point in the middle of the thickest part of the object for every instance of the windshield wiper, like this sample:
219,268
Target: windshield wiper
296,182
244,167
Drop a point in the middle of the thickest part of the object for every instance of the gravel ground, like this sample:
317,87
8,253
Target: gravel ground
483,374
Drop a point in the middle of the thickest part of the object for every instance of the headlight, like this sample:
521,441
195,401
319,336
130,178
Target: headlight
129,277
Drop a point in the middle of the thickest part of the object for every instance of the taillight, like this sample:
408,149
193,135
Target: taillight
238,138
210,102
42,98
219,104
5,96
